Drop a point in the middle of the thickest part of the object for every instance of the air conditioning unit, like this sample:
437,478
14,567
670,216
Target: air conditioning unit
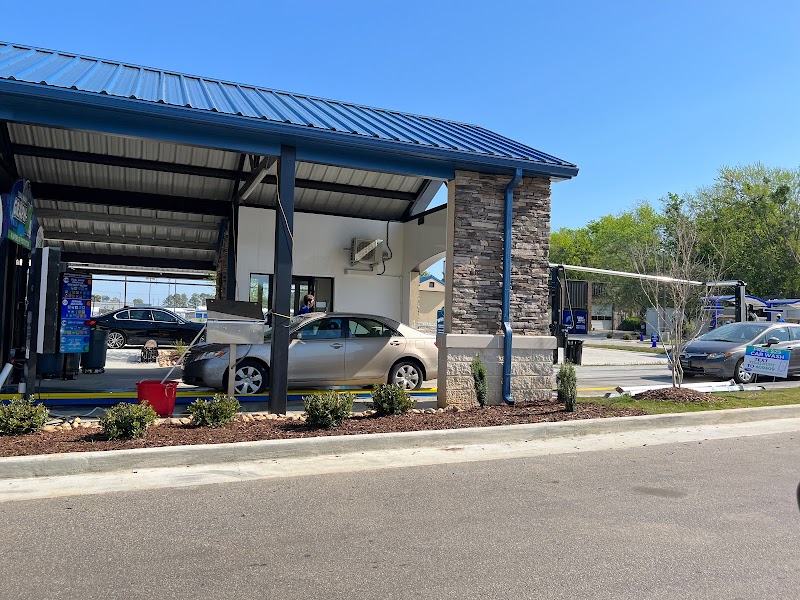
364,251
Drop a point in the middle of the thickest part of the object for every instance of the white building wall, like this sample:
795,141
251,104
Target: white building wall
322,249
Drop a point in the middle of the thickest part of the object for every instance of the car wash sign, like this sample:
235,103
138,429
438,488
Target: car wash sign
76,309
766,361
19,224
575,321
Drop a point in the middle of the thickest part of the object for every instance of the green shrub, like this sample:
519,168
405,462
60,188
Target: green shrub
630,324
216,412
391,399
567,386
326,410
626,336
479,379
126,421
22,415
180,347
609,335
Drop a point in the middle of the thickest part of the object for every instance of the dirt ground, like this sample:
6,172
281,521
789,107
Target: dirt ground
260,428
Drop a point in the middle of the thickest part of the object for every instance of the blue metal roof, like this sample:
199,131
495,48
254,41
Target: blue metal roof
425,278
423,137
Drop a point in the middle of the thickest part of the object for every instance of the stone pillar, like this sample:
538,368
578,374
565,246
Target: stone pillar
222,267
474,289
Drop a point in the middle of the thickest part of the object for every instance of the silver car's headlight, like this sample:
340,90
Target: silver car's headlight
714,355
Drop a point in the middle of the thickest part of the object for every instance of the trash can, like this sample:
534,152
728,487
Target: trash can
49,365
574,351
161,396
94,361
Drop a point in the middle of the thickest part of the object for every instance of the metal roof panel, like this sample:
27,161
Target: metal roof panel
65,70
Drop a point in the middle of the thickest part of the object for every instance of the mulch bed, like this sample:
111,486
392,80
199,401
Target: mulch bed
84,440
675,394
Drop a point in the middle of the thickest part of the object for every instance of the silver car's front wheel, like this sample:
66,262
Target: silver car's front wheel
251,378
406,375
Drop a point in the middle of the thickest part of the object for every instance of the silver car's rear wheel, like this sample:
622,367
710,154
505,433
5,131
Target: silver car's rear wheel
251,378
406,375
116,340
742,376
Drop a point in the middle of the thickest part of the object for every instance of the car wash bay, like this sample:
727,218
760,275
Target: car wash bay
153,173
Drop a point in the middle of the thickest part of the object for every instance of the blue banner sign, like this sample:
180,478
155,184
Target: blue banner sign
575,321
767,361
18,221
76,309
440,320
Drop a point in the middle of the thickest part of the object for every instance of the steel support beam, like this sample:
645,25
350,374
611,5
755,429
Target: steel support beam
234,175
53,214
121,161
103,197
137,261
256,176
94,238
8,165
423,198
233,237
282,281
141,272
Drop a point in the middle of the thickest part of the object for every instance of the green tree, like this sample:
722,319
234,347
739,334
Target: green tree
175,301
751,216
199,299
137,301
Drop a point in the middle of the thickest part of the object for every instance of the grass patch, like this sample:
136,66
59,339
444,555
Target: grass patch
726,400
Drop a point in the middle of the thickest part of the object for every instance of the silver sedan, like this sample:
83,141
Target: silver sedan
324,349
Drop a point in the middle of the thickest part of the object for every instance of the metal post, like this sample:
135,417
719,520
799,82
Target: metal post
231,370
282,282
5,291
230,278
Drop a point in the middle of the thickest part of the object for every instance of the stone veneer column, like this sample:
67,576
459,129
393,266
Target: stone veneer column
222,267
474,289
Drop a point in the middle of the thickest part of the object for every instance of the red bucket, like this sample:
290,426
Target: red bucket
161,396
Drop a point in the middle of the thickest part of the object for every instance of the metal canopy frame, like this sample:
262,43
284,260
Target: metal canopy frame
127,209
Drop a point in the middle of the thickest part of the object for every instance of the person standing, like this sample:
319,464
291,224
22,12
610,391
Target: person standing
308,304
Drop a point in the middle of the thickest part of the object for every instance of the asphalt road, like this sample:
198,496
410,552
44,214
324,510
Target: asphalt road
704,519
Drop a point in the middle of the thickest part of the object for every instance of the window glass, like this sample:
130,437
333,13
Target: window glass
369,328
122,316
140,314
431,284
782,333
795,332
260,286
163,317
321,329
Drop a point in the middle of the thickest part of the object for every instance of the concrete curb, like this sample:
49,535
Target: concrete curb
53,465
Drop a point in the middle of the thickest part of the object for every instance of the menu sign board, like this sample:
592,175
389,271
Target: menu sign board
76,309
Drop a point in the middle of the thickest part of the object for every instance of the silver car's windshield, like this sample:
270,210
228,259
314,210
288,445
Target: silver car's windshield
735,332
293,322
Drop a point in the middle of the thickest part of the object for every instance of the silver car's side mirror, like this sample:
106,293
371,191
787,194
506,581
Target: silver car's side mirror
772,341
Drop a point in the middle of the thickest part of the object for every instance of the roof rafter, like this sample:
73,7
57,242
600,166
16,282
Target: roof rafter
87,195
105,217
137,261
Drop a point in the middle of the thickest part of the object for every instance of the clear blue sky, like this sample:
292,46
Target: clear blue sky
646,98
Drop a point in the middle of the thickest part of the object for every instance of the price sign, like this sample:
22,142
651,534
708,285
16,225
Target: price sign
76,309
